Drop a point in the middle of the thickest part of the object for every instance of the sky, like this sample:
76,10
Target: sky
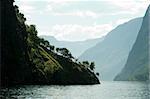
78,20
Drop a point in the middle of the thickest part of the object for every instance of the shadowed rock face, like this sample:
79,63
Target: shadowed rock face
25,61
111,54
137,66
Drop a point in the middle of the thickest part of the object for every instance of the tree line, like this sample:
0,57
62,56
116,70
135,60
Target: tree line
32,38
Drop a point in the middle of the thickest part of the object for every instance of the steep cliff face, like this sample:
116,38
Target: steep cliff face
137,66
26,61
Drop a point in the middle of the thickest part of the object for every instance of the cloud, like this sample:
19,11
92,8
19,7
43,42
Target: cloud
53,4
75,32
26,7
130,6
125,7
53,11
54,8
78,14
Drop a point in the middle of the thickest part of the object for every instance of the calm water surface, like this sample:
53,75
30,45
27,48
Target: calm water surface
106,90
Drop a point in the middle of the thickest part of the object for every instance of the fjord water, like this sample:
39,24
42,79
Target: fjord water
106,90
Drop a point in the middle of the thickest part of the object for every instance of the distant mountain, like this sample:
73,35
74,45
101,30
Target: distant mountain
137,64
111,54
76,47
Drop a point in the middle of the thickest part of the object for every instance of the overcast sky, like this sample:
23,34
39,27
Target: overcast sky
76,20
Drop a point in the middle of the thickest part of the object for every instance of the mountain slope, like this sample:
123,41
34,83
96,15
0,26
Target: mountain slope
111,54
76,47
137,66
26,58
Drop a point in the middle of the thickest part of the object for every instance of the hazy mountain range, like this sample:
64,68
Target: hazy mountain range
111,54
76,47
137,66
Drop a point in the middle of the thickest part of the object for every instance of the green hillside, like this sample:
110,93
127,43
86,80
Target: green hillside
28,59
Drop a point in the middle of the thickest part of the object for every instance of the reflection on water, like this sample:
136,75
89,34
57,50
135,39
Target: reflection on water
106,90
